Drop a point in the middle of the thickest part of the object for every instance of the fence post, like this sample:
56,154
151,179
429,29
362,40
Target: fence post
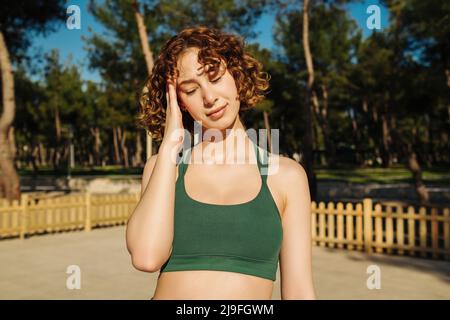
367,212
87,201
23,215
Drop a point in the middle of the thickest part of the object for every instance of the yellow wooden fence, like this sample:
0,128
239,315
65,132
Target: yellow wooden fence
381,228
37,214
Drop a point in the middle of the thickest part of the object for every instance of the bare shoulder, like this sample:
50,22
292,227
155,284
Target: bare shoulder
287,178
286,170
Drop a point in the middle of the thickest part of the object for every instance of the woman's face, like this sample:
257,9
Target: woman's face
212,101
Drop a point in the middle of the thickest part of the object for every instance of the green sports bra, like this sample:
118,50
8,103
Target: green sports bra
244,238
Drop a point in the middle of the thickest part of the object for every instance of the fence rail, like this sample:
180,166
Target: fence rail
37,215
382,228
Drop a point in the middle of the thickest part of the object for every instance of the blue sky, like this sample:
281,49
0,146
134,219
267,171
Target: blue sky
69,42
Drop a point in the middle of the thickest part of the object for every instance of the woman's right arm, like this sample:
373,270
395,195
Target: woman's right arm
149,232
150,228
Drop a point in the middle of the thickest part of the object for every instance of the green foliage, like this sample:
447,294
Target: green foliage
230,15
21,19
398,74
334,38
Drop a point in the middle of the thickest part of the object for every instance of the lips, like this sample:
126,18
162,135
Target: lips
216,111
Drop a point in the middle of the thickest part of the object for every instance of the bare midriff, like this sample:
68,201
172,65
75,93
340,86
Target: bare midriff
211,285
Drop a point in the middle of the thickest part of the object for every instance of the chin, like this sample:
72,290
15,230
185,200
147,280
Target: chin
223,123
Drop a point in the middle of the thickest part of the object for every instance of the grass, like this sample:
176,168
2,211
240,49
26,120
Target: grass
399,174
83,171
439,176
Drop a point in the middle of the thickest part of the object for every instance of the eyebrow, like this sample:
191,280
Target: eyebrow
186,81
191,80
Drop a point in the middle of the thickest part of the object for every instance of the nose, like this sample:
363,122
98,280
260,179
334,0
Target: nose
209,98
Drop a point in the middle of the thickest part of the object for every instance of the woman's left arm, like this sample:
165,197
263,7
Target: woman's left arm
296,249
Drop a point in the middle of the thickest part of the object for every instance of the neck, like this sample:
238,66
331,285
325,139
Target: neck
231,144
219,136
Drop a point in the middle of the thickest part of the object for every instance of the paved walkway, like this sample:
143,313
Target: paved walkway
35,268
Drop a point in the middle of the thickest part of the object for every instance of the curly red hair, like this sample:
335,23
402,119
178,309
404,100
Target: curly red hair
214,47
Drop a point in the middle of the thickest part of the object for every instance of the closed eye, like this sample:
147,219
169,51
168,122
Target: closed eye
189,93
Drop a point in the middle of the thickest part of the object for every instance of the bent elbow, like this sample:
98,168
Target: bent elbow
145,265
143,261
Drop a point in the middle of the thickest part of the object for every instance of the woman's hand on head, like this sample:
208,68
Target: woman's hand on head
174,130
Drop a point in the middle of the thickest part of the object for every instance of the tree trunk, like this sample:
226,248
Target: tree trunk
97,144
137,159
10,183
123,147
431,148
357,136
386,141
57,155
427,155
148,55
267,125
356,141
33,156
366,124
421,190
42,154
395,147
316,142
307,137
321,114
65,154
116,147
374,128
12,141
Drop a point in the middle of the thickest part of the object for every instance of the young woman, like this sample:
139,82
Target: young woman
216,230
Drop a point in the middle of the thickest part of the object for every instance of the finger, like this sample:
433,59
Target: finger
175,91
167,97
172,95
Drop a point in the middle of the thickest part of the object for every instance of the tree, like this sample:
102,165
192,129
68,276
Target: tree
319,64
230,15
308,140
118,56
148,59
424,28
64,101
19,19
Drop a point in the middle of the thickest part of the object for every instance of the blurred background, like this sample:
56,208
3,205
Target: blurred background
360,94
